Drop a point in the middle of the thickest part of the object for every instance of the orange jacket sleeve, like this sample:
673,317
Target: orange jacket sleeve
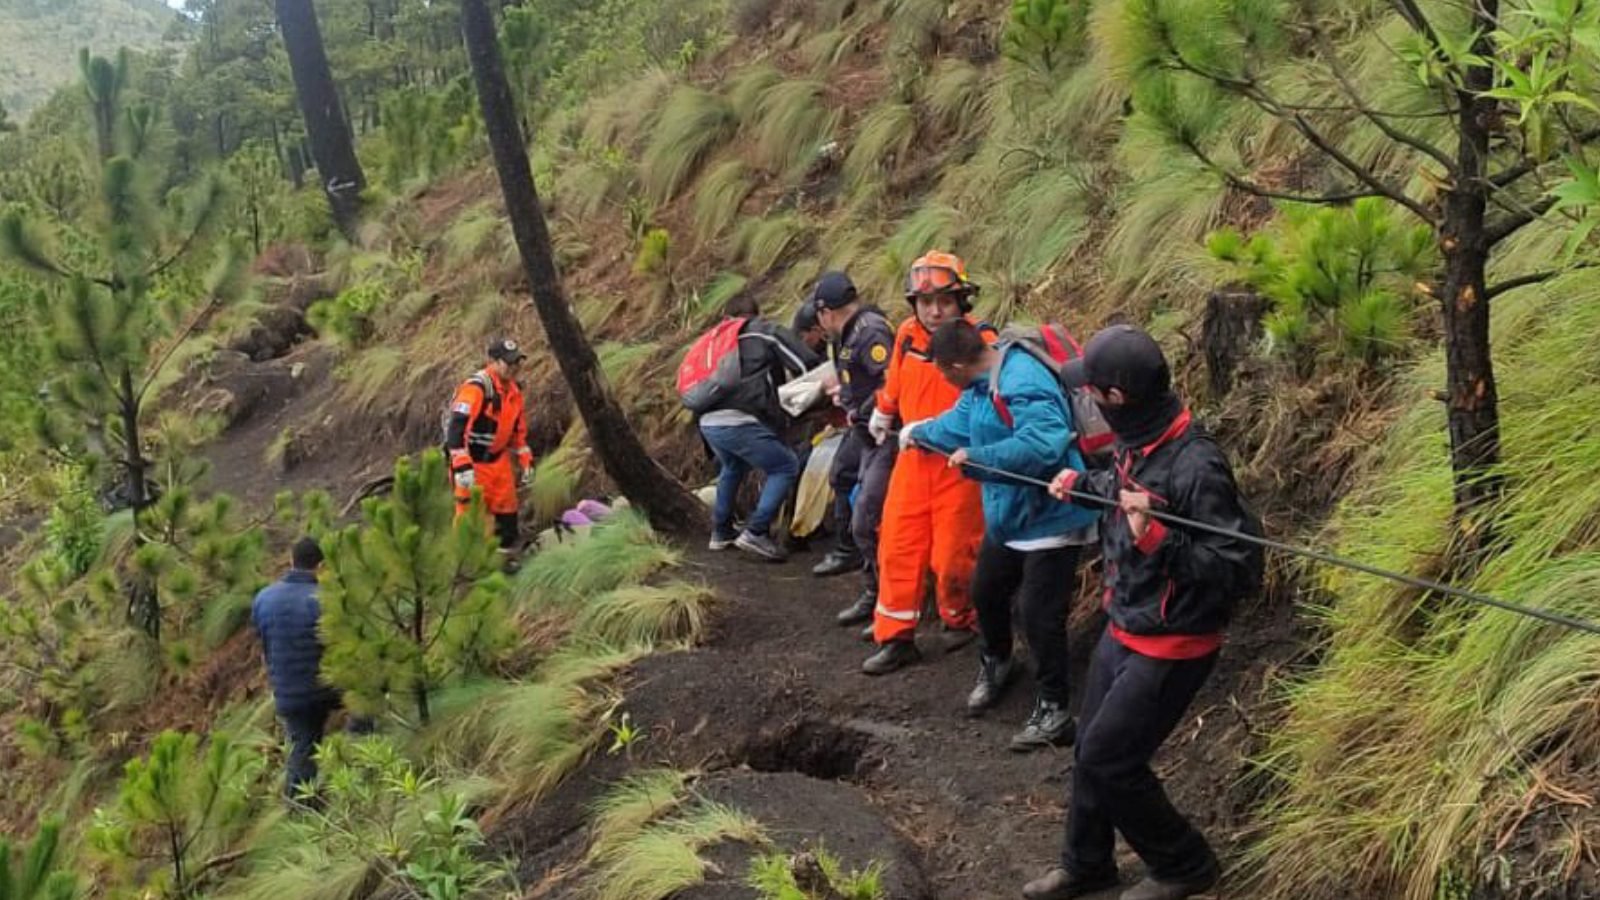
464,408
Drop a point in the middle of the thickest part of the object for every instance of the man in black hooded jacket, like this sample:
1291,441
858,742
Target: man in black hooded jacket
1169,594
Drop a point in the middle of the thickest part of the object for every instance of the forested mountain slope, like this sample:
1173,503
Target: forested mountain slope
40,40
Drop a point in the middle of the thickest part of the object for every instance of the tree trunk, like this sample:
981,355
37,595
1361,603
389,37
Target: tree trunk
326,125
640,478
144,603
1471,395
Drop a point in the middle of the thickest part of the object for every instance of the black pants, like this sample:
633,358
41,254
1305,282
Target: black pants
304,728
508,528
1131,705
1043,583
843,478
866,518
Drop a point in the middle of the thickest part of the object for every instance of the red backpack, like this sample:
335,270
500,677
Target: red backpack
710,371
1054,346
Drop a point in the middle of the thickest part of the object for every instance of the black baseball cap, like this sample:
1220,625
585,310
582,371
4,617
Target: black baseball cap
506,349
1121,357
805,318
834,290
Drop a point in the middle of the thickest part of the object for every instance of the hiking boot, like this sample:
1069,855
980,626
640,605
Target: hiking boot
859,611
953,639
994,675
760,546
1059,884
837,563
1151,889
1049,726
869,633
721,542
510,564
892,657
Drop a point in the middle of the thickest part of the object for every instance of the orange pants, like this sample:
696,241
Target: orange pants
932,519
498,481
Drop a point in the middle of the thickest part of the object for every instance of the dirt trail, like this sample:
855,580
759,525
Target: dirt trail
778,689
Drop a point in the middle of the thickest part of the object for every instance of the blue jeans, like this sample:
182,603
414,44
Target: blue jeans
740,448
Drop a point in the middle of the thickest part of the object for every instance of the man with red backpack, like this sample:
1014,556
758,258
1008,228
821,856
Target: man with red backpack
730,381
1013,416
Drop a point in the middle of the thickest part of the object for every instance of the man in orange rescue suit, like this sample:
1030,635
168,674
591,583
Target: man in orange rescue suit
485,430
933,516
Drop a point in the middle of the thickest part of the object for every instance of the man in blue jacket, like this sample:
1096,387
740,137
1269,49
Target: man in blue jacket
285,615
1012,415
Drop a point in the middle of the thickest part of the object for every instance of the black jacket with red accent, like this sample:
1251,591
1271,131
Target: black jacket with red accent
1174,581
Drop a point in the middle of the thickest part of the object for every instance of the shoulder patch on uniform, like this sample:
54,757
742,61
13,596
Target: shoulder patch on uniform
879,353
462,408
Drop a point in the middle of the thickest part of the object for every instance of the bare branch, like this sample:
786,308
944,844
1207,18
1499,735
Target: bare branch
1251,187
1508,226
1510,284
177,342
1377,119
1362,173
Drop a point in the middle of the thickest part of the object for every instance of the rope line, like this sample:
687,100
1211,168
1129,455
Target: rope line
1426,584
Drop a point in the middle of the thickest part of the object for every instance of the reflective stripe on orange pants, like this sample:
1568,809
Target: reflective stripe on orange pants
498,481
932,519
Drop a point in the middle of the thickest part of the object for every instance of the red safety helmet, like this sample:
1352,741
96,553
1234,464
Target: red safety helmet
938,272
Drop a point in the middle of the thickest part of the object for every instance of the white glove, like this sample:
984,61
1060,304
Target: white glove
465,479
907,439
878,426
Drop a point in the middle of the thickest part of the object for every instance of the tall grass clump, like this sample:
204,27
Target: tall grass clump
676,613
694,123
1432,727
717,200
663,857
792,122
763,243
881,142
620,551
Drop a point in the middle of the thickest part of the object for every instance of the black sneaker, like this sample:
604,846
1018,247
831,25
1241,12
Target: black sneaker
859,611
1151,889
837,563
1059,884
1049,726
760,546
994,676
953,639
869,634
892,657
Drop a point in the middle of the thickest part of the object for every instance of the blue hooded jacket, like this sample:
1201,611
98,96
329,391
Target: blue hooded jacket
285,615
1039,442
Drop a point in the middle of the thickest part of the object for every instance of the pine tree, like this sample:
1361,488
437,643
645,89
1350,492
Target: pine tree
413,598
34,873
104,318
1476,123
326,125
640,478
179,808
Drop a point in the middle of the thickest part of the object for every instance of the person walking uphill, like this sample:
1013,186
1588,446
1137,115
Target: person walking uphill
861,344
1012,415
932,516
486,429
285,615
1169,595
743,421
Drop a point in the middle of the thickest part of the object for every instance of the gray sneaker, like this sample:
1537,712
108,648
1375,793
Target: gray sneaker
760,546
721,542
1051,725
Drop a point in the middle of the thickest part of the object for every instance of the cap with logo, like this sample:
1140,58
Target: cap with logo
834,290
1121,357
506,349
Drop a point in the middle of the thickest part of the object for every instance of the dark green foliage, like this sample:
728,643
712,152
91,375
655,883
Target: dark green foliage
1044,34
413,599
35,872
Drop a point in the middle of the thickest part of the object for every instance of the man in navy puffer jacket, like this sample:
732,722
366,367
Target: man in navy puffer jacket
285,615
1012,415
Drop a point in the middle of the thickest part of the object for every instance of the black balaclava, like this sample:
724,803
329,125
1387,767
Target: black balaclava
1126,358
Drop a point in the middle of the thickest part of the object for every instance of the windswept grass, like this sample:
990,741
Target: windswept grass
1462,716
694,123
957,95
718,198
880,143
555,482
624,117
707,302
791,124
633,803
763,243
747,89
471,231
620,551
663,858
676,613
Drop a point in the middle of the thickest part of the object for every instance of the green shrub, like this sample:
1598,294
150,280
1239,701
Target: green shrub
773,876
654,255
34,872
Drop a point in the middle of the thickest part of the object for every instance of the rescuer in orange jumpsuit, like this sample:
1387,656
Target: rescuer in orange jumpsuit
485,430
933,516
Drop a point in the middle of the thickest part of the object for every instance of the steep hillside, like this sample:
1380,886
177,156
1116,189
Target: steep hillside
40,40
